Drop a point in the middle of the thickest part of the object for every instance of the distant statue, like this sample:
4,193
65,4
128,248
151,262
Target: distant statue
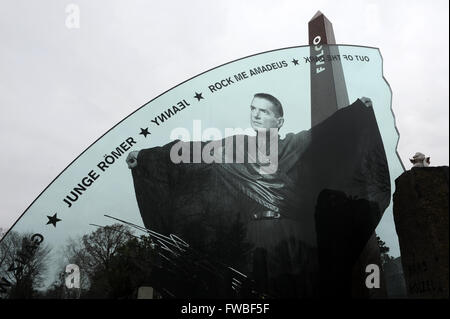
420,160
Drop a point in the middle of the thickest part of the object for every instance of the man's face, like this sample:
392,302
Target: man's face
262,115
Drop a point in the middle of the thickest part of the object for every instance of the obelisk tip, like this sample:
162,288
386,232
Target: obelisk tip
318,14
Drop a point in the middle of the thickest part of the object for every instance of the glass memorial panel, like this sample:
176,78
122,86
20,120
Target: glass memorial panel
222,188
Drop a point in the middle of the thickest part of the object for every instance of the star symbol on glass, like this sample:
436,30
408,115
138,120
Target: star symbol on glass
53,220
145,132
198,96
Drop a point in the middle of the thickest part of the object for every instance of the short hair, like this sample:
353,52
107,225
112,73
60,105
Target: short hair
277,107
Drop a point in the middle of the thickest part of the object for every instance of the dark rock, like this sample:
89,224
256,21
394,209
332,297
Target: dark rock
420,205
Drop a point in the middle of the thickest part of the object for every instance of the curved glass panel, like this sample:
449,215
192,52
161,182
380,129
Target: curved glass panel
212,191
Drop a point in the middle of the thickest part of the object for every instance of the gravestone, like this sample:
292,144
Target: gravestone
145,293
394,279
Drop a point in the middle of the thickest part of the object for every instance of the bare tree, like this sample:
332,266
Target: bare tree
384,252
93,252
22,264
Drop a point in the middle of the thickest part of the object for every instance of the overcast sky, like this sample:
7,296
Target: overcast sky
62,88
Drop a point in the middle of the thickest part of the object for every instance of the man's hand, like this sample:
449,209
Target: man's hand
132,159
366,101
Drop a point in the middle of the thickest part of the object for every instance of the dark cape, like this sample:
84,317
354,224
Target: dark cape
333,176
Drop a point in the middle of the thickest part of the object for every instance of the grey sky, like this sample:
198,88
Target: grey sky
61,89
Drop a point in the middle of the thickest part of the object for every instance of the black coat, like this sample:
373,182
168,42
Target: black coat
330,190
